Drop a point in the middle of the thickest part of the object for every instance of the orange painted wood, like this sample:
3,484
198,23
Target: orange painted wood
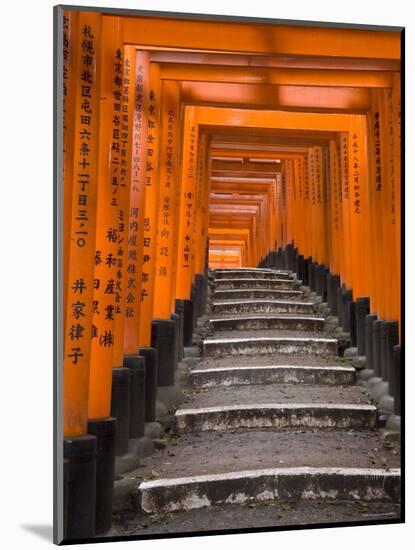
135,249
256,38
81,249
167,212
70,59
284,77
152,186
358,208
108,237
185,250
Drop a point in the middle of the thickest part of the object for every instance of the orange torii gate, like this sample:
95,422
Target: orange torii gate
228,257
264,119
282,39
227,237
139,141
282,77
333,254
235,210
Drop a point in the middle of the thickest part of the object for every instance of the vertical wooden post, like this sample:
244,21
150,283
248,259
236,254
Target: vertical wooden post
166,208
358,207
187,205
313,203
70,72
104,258
124,297
396,186
335,211
306,251
151,207
137,200
346,184
80,448
77,342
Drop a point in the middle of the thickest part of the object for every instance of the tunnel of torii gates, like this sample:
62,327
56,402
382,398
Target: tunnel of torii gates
194,144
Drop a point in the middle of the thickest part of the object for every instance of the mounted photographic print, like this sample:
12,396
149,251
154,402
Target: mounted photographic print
228,274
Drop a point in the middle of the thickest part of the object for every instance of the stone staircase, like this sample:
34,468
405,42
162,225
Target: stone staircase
273,414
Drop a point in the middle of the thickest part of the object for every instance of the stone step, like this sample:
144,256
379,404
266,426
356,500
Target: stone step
279,322
192,454
277,416
268,345
254,269
249,283
302,483
255,293
251,273
273,374
297,360
262,306
269,515
276,393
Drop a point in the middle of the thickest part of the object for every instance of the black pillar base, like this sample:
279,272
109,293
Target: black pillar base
340,291
136,365
194,310
397,380
176,318
188,323
312,276
81,487
392,340
352,314
163,336
307,263
295,261
329,283
179,309
151,361
347,297
280,259
324,274
362,310
333,284
384,351
318,270
369,320
66,472
290,257
285,258
204,292
199,306
300,272
120,408
104,430
377,355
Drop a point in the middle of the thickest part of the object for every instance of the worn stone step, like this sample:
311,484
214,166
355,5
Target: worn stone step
261,322
249,282
302,483
251,273
191,454
277,393
281,374
254,269
251,293
268,345
220,453
271,514
277,416
262,306
297,360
